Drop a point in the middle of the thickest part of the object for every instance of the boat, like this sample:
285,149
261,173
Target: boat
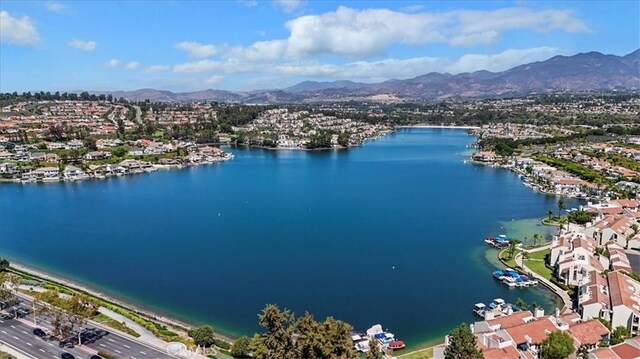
498,275
398,344
479,309
489,240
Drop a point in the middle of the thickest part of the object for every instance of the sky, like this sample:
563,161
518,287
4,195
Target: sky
247,45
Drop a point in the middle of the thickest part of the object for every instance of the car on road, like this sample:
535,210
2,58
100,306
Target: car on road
8,316
95,357
67,356
39,333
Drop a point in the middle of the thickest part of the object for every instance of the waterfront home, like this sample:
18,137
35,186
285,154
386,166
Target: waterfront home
630,348
611,228
588,334
520,334
8,168
486,156
572,256
74,173
45,174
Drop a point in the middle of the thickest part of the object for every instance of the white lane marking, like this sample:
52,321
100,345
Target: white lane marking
50,344
42,350
111,340
1,321
16,337
3,332
102,345
24,332
143,353
13,327
29,344
55,356
126,346
117,351
133,357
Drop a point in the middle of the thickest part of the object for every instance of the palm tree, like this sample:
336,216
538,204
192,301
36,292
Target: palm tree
562,205
536,239
549,214
513,245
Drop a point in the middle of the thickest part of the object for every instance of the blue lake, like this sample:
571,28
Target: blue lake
391,233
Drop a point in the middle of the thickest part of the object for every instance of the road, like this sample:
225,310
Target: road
138,114
18,333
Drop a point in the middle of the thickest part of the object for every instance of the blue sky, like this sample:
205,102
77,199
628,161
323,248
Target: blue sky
247,45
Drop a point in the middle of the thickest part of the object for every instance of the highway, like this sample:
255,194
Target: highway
18,333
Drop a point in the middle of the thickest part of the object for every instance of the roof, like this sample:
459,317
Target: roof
497,353
625,350
512,320
604,353
533,332
590,332
624,291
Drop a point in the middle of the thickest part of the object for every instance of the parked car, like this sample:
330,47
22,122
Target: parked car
67,356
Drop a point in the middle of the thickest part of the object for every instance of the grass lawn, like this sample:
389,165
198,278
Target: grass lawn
539,267
509,262
103,319
4,355
539,254
422,354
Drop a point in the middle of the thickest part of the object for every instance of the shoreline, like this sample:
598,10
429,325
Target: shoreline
136,309
439,126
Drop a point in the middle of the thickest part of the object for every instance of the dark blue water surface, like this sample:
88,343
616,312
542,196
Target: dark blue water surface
391,232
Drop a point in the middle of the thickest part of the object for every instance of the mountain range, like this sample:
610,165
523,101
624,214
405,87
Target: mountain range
583,72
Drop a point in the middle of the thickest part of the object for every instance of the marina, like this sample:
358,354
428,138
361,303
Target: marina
512,279
497,308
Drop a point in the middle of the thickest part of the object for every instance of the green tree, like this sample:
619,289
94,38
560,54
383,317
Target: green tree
557,345
203,336
374,351
513,245
119,151
549,214
618,335
276,342
462,344
583,352
562,205
240,348
4,264
521,303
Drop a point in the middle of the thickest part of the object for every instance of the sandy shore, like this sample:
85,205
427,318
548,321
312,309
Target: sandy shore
78,287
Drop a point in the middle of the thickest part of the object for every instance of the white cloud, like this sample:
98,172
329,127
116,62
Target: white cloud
132,65
502,61
82,45
287,5
17,31
373,71
197,50
214,80
55,6
113,63
366,33
157,68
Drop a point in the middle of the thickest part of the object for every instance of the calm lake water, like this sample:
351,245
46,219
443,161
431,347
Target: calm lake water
391,233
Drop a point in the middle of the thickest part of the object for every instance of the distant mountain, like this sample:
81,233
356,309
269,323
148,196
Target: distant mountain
583,72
